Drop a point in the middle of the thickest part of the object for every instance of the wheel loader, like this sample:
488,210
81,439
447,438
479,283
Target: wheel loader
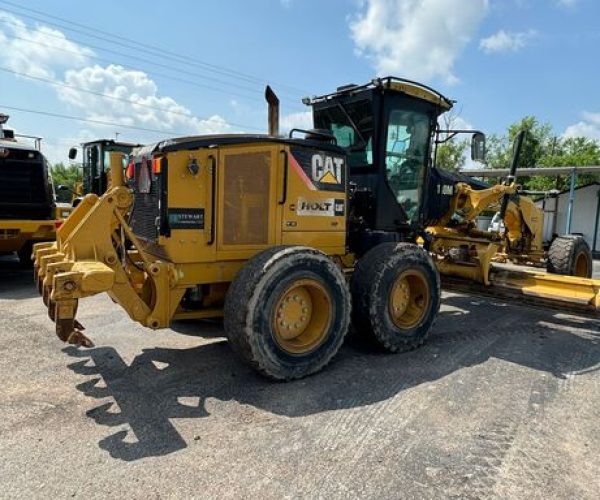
292,239
28,212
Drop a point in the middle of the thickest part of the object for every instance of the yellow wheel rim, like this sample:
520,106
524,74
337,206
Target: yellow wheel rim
409,299
581,265
302,316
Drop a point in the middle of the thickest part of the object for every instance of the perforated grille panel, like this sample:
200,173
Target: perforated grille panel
246,198
145,213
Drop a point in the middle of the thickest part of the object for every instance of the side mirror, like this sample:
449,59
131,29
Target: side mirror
478,147
72,153
62,187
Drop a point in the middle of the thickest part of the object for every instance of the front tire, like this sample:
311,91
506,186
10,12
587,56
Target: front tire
396,295
287,312
570,255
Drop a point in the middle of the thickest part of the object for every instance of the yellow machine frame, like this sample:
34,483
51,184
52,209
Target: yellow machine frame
149,280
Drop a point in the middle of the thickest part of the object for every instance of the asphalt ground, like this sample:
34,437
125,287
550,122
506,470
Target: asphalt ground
502,402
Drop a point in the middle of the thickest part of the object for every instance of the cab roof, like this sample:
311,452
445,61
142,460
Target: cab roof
112,142
389,84
209,141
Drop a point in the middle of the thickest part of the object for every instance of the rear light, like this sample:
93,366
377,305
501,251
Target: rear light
130,171
58,223
156,166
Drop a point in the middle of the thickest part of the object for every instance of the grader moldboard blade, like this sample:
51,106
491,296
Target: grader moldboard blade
568,294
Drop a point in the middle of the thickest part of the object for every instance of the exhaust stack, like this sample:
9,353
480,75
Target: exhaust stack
273,102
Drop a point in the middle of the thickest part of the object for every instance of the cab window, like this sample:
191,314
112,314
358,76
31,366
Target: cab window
352,125
407,143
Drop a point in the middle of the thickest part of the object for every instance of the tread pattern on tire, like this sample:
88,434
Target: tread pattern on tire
368,300
242,302
562,254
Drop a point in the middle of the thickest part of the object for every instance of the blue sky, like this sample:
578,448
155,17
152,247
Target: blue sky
501,60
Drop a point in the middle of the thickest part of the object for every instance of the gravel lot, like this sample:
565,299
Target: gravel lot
502,401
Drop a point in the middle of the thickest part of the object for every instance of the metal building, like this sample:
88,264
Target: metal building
584,218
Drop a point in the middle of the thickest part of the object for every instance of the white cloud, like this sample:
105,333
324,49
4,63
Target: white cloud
452,120
134,98
588,127
50,50
135,101
418,39
302,119
506,41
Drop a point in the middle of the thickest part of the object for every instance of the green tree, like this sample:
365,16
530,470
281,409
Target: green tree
67,176
451,155
539,142
542,148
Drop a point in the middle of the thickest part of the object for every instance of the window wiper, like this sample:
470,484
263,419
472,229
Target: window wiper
354,126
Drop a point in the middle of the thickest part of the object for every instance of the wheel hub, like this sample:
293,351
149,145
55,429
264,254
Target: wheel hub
302,316
581,265
294,313
409,299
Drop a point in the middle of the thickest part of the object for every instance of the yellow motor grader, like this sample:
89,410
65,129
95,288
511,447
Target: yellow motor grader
292,238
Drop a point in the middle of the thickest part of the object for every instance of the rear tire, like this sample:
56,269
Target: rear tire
570,255
396,295
287,312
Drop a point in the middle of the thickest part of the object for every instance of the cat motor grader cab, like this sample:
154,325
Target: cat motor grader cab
95,166
28,212
268,231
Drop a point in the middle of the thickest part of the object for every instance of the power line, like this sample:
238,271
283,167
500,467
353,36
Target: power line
146,61
107,96
152,47
142,47
133,68
151,72
90,120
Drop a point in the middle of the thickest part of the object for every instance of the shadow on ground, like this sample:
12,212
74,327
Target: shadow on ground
148,392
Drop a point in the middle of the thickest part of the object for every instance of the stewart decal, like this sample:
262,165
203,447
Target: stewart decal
186,218
320,170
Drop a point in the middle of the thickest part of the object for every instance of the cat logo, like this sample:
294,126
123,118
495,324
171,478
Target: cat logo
327,169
